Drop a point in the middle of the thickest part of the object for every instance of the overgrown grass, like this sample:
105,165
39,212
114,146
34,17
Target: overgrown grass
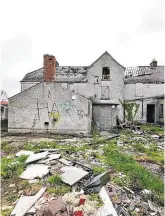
60,190
98,170
9,170
136,173
54,180
153,129
152,152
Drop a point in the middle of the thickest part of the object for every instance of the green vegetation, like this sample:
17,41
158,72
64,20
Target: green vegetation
152,129
59,190
96,197
130,109
12,167
152,152
6,212
98,170
54,180
136,173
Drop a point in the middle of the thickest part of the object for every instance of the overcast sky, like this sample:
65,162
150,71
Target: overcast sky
77,32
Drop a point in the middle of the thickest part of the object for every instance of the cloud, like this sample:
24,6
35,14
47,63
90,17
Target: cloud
14,50
123,37
153,17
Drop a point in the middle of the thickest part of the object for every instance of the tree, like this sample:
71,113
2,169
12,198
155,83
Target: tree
4,95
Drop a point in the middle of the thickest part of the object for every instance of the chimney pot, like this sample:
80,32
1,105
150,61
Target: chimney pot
49,68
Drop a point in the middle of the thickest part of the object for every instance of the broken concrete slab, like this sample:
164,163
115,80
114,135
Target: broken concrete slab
72,174
35,170
25,203
107,209
36,157
64,161
22,152
54,156
97,182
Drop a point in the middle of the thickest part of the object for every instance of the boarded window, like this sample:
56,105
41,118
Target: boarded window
106,73
161,111
105,92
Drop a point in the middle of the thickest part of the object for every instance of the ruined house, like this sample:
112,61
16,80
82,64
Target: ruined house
68,99
145,85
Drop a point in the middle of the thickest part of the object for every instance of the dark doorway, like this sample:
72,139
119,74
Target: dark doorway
151,113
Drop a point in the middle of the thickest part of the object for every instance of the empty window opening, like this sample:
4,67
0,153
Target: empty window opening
96,79
2,109
46,123
106,73
161,111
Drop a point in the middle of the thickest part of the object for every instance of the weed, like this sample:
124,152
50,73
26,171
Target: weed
8,148
139,147
131,168
12,198
98,170
60,190
96,197
152,129
11,167
54,180
6,212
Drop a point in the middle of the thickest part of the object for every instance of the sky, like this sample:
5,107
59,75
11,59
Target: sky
77,32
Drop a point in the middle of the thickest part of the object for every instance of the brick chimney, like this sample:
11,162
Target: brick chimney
153,63
49,68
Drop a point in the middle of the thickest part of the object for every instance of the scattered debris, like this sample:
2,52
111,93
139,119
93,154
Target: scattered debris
55,207
155,208
25,203
107,209
97,182
72,175
66,162
36,157
22,152
35,170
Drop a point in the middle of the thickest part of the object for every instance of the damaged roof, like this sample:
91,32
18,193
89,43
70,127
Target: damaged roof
144,74
63,74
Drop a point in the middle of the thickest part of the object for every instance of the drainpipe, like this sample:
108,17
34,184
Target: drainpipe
142,110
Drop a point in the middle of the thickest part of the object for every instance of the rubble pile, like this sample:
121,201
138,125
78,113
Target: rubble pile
90,193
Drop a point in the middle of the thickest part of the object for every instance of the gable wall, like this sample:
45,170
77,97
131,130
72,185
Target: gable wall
29,110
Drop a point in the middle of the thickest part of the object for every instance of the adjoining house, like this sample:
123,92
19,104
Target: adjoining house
145,85
4,114
67,99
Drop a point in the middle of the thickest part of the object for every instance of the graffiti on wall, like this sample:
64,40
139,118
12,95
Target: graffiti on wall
67,107
80,113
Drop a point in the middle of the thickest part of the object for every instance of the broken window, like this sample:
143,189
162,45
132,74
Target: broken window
161,111
96,79
106,73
